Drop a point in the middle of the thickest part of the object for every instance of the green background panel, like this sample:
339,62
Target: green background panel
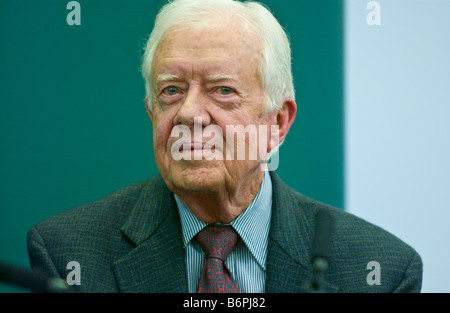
73,126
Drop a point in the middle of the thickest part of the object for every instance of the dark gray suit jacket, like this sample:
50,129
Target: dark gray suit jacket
131,241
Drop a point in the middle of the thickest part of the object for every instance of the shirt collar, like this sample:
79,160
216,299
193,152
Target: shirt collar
252,225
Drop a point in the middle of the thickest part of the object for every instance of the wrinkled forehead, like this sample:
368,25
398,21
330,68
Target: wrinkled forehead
231,37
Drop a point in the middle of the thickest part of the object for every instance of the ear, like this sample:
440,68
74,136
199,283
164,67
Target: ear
149,112
284,119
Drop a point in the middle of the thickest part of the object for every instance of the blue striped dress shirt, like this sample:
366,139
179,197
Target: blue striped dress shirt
247,261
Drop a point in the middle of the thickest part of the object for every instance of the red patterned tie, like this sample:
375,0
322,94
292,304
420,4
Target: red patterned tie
217,241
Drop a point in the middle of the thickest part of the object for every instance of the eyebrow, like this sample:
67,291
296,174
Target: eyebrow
165,77
218,77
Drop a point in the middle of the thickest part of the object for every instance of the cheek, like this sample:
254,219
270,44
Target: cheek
162,129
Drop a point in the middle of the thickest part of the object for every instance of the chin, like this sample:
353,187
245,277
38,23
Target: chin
196,179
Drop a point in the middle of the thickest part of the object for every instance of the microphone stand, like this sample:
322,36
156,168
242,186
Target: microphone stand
33,281
321,247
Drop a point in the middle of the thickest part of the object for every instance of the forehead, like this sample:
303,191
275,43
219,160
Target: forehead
220,44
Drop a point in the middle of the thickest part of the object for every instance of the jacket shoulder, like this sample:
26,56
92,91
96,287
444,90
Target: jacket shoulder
89,234
351,230
357,246
112,207
374,259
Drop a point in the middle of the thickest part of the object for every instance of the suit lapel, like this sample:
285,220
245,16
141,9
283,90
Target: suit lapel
156,264
290,238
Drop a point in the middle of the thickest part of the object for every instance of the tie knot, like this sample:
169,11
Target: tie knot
217,241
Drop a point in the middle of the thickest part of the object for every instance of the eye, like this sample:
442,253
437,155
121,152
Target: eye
225,90
171,90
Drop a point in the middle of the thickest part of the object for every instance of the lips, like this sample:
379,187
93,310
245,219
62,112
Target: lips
195,146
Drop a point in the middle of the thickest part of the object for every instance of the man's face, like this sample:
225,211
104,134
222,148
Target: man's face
206,75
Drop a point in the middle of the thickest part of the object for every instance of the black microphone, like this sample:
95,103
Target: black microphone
321,248
34,281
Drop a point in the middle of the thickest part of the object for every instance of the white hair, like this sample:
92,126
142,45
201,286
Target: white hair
275,66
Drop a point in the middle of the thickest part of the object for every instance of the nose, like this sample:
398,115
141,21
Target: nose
193,109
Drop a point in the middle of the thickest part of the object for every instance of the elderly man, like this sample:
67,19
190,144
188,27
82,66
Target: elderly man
216,219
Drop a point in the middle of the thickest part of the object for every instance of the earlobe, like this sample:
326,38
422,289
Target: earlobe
283,120
286,117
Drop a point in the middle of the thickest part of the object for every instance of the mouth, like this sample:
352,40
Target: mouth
196,146
196,150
